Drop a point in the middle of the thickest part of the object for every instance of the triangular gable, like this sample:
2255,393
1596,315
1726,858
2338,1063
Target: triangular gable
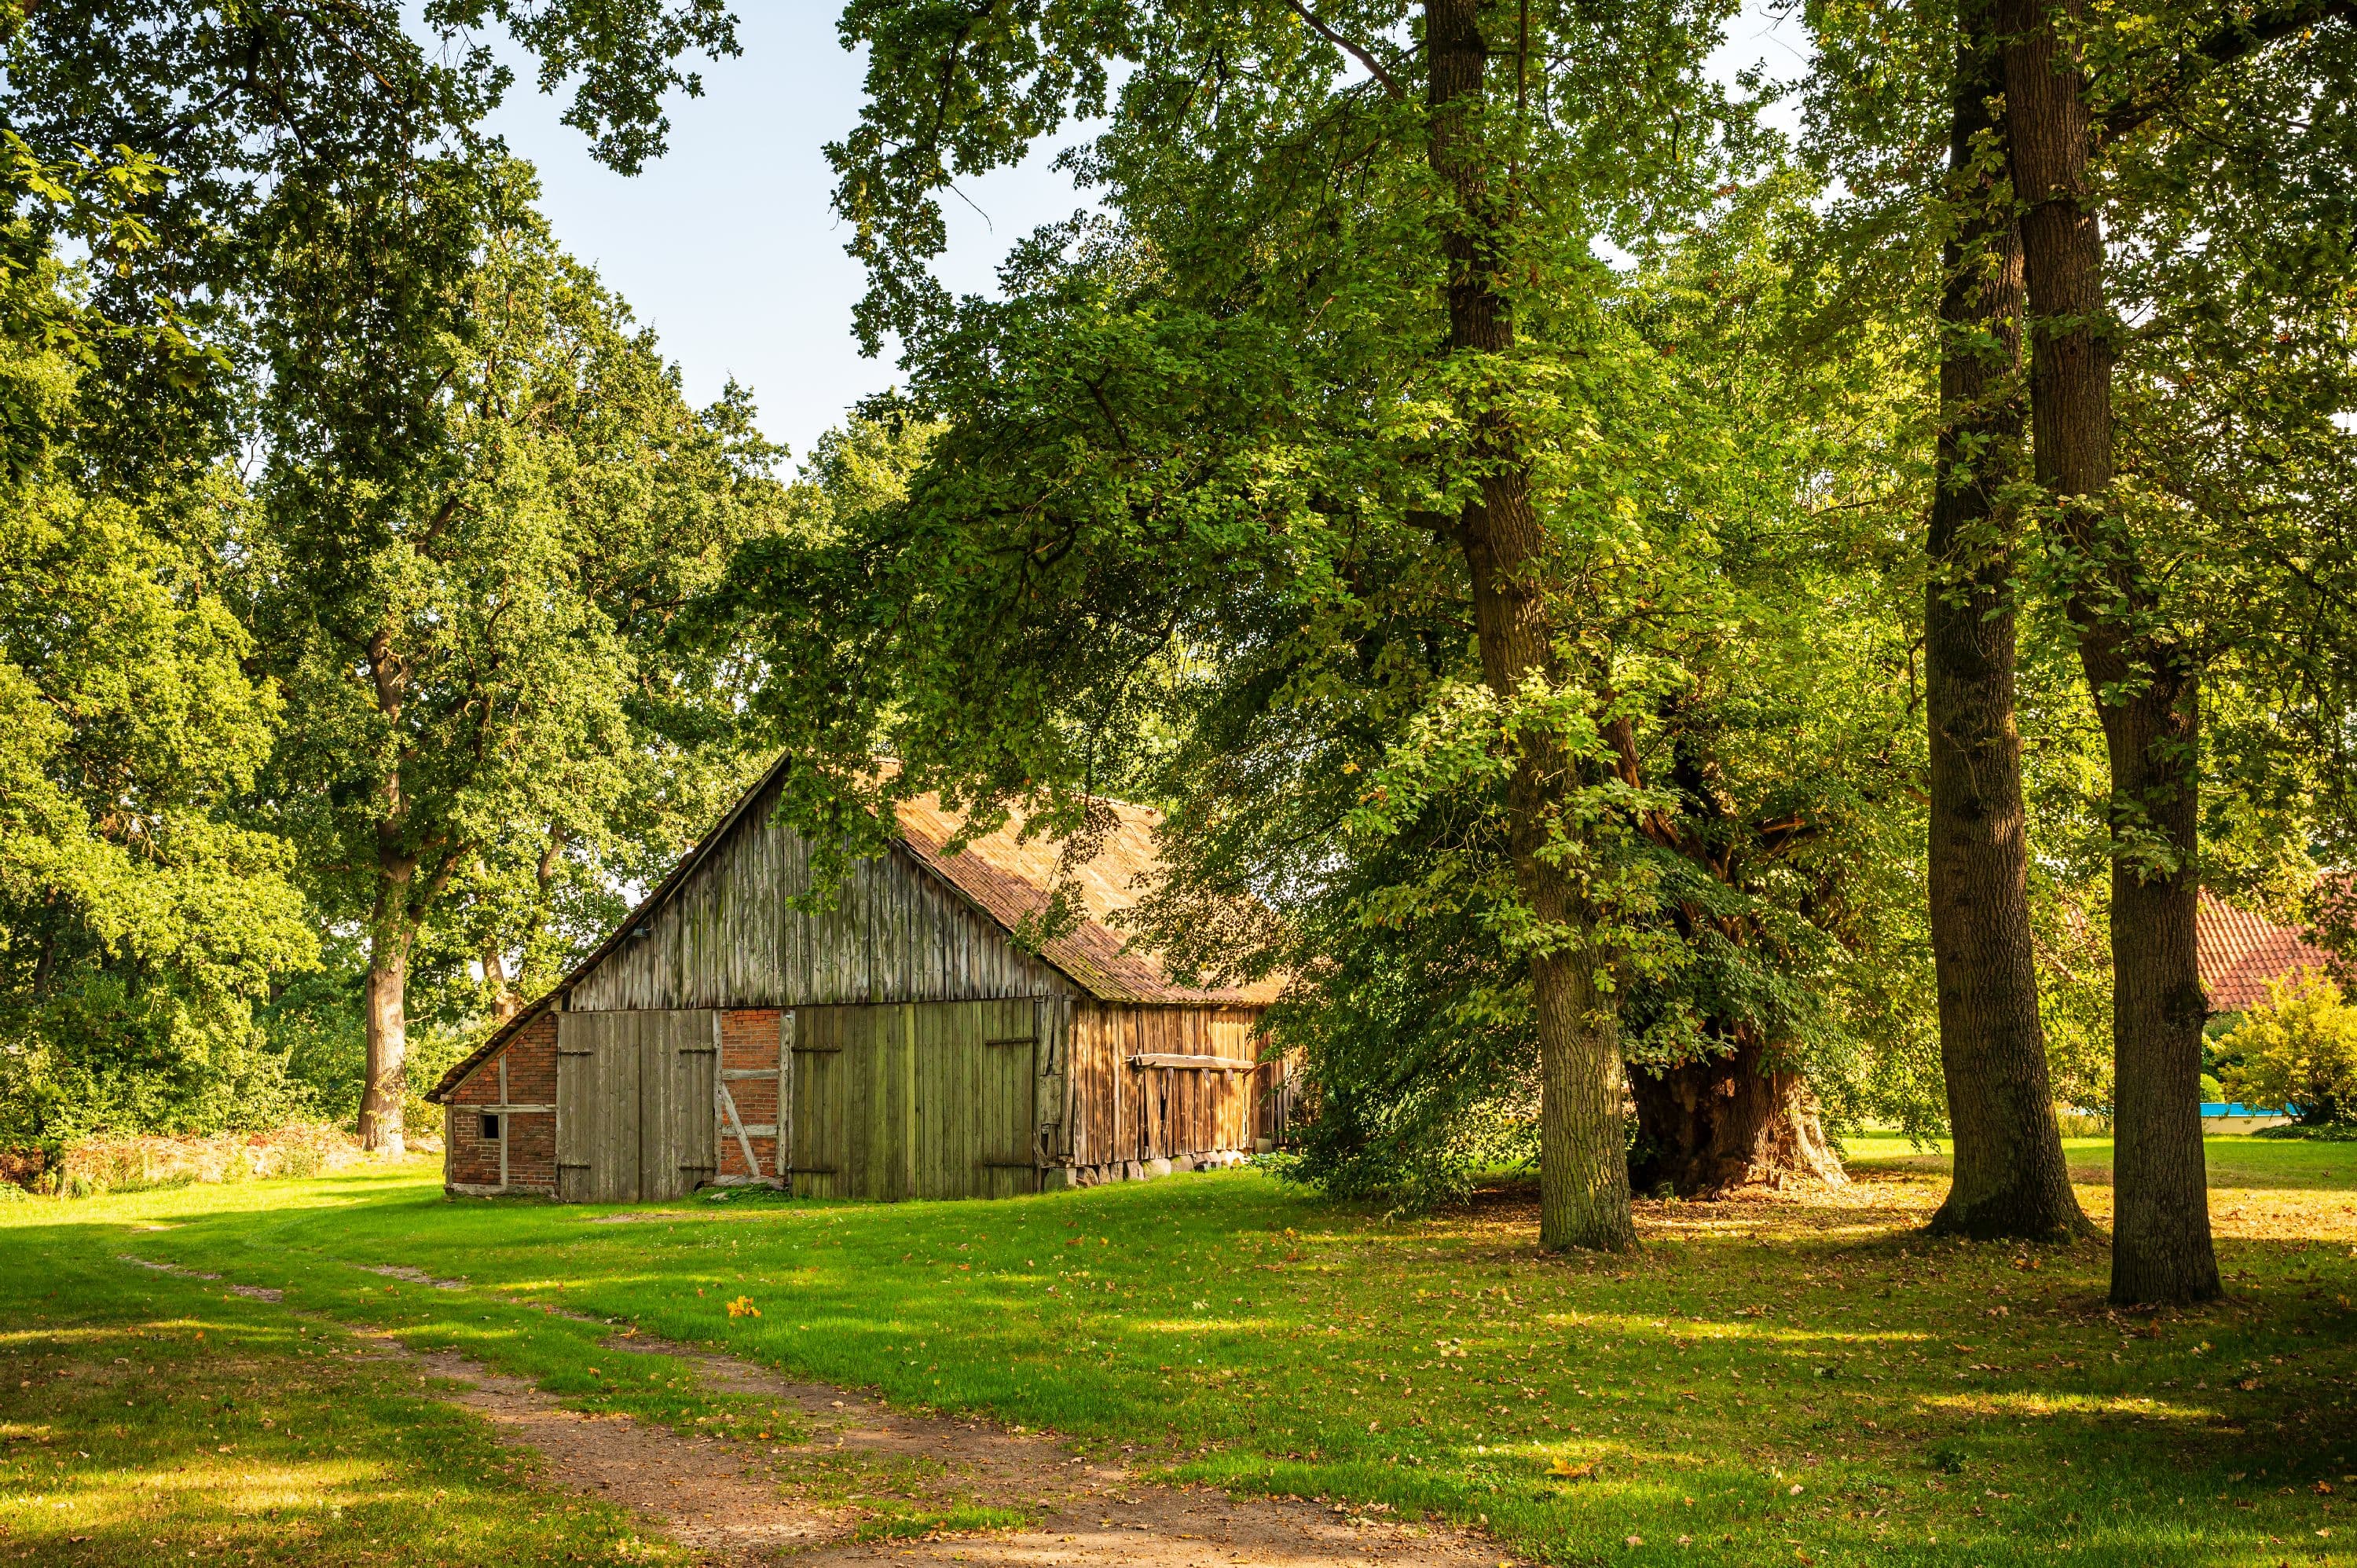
999,874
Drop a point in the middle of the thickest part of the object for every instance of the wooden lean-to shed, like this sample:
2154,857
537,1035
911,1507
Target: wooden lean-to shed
898,1046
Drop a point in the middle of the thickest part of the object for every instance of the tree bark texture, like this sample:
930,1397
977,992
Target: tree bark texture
1583,1163
2010,1179
1717,1124
2145,688
387,1086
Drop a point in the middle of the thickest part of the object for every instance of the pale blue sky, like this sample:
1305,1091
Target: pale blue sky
727,245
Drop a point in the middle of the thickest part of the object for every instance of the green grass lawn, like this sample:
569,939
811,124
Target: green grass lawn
1799,1379
145,1418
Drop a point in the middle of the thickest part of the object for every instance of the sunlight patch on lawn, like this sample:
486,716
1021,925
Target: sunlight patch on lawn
158,1328
2025,1406
1197,1326
117,1499
243,1486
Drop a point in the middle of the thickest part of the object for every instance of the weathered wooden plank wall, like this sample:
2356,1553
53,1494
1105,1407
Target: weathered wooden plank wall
1121,1113
730,938
925,1100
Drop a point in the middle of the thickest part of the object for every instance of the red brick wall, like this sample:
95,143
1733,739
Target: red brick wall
749,1038
472,1160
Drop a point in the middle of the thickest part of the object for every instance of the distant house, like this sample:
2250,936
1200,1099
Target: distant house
2240,953
898,1046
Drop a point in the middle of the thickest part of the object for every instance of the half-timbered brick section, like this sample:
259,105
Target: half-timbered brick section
898,1045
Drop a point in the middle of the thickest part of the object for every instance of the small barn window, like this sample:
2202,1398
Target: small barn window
491,1129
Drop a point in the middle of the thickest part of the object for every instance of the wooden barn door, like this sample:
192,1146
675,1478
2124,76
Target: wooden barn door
922,1100
598,1107
833,1050
679,1060
1008,1109
633,1105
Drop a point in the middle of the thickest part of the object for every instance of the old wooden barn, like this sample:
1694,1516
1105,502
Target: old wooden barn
899,1045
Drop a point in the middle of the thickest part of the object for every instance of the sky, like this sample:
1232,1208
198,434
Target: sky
727,246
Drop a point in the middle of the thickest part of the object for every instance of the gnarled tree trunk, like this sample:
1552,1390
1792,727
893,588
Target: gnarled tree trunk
1719,1123
2010,1177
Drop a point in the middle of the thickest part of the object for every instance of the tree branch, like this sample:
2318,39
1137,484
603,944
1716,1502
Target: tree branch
2233,38
1374,70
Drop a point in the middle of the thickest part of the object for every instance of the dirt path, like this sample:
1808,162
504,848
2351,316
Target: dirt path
746,1503
860,1463
1082,1511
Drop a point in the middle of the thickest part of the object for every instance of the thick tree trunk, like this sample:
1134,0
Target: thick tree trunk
1583,1165
2161,1248
2146,689
2009,1178
1715,1124
387,1084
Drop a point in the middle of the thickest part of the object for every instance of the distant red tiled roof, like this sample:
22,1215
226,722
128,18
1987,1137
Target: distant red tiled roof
2240,953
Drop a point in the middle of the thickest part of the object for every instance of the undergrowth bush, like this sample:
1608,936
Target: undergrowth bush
142,1163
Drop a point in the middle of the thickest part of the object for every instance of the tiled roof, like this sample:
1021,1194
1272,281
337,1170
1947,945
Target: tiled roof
2240,953
1009,878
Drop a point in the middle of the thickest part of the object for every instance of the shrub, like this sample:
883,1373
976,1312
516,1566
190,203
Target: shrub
2298,1049
144,1162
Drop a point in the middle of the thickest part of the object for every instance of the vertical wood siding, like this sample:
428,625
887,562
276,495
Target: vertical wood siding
1121,1113
729,937
921,1100
634,1104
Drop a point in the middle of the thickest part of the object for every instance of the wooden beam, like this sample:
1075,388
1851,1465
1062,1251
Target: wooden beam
1172,1058
744,1072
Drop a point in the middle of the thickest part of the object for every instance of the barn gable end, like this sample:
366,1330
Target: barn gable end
728,936
897,1045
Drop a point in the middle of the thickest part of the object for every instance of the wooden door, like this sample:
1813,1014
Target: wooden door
973,1111
634,1093
1007,1110
922,1100
831,1048
598,1107
678,1065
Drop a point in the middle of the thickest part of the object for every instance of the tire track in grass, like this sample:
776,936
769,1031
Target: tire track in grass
866,1481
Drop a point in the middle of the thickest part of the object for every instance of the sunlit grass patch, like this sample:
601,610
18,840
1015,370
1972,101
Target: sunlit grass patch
1934,1403
905,1521
142,1422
